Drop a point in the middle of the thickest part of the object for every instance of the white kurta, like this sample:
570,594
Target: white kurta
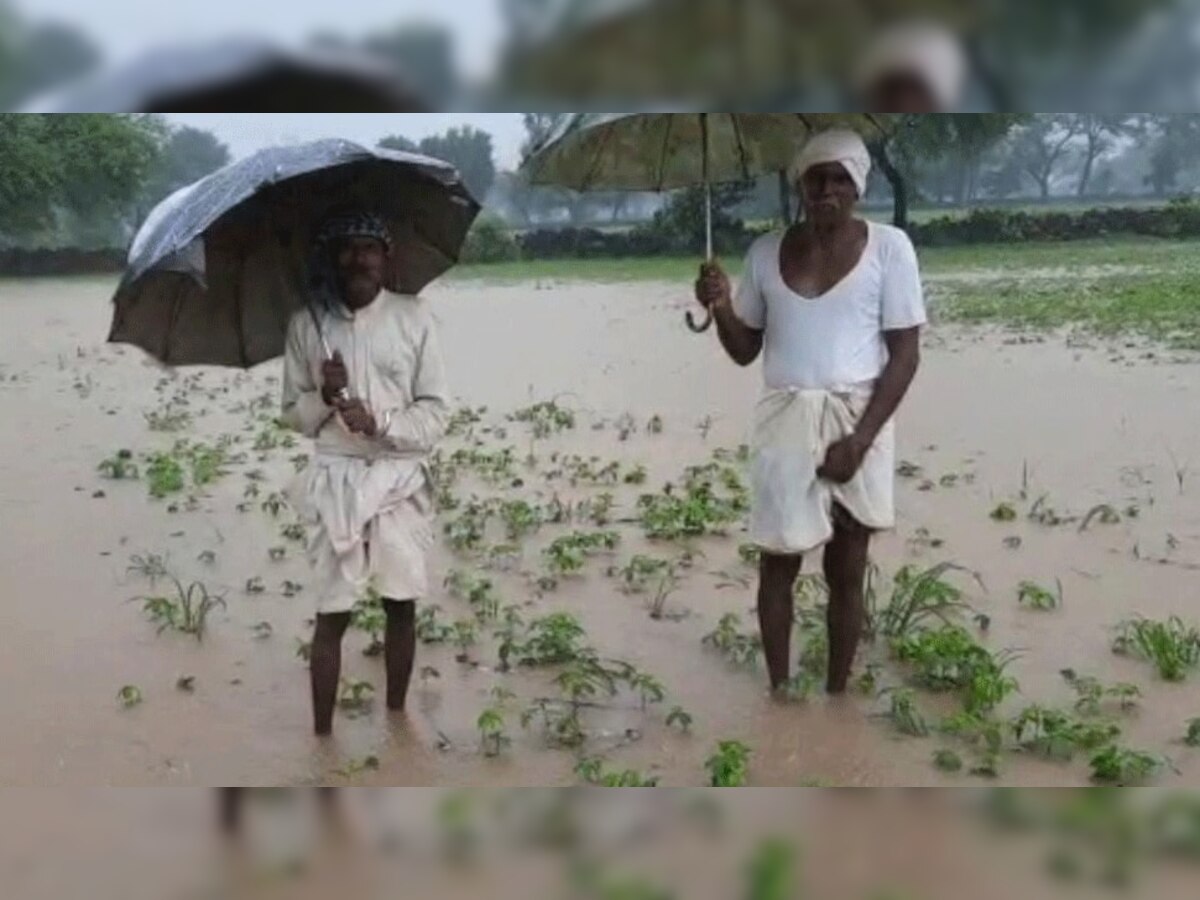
368,501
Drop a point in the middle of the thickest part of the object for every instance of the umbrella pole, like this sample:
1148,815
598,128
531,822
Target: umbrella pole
703,326
707,221
344,393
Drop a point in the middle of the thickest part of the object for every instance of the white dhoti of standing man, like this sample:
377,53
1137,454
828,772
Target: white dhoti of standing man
368,501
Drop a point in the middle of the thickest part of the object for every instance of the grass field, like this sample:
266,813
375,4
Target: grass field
1140,286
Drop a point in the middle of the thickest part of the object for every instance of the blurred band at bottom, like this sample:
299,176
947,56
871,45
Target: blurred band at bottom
598,844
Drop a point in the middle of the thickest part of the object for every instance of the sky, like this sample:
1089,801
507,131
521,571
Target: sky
244,133
122,28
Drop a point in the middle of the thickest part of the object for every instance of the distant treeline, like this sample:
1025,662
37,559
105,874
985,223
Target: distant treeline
20,262
491,241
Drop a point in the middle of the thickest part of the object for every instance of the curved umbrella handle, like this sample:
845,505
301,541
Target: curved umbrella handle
699,328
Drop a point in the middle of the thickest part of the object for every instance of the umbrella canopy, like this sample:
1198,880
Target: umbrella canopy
664,151
217,269
247,75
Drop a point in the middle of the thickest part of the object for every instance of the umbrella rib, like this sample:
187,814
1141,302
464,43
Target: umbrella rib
587,179
662,156
737,133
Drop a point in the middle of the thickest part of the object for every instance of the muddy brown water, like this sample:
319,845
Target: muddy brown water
1082,424
845,845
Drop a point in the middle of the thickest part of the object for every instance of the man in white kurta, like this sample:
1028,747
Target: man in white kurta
368,385
834,305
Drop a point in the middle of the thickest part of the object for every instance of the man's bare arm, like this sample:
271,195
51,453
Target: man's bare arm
904,349
741,342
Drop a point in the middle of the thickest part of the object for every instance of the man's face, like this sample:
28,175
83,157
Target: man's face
360,265
901,92
828,193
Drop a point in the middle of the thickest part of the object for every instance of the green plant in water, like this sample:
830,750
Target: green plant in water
545,417
729,766
1034,596
551,640
1004,512
151,566
636,475
681,717
1121,766
648,688
355,696
950,659
1057,735
464,638
167,418
294,531
165,475
591,770
429,629
1090,693
904,714
947,760
1172,646
274,503
129,696
1192,736
187,611
118,466
520,518
207,463
492,738
741,648
1104,513
918,596
566,555
771,871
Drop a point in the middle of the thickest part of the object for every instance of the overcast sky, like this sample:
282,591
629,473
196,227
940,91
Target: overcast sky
246,132
122,28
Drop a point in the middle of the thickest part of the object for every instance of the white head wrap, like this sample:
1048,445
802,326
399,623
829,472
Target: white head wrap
838,145
927,50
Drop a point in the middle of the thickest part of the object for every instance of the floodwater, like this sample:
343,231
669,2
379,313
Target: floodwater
1082,424
142,844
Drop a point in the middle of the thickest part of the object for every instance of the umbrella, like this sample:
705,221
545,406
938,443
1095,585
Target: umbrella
217,269
247,75
664,151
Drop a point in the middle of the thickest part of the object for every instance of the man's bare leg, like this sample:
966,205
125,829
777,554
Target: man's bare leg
325,667
777,579
399,649
845,573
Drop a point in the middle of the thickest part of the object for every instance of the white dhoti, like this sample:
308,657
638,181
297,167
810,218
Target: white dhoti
370,525
792,509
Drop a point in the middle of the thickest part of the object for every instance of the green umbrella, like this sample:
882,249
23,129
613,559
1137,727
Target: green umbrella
664,151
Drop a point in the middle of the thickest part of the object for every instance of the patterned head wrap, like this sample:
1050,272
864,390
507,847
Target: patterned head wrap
352,224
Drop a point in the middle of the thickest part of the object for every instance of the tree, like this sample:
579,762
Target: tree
87,170
1042,144
51,55
914,144
538,127
29,175
470,150
422,56
399,142
1175,146
187,155
1100,134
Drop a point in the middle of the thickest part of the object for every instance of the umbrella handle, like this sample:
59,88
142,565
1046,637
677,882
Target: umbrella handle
699,327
